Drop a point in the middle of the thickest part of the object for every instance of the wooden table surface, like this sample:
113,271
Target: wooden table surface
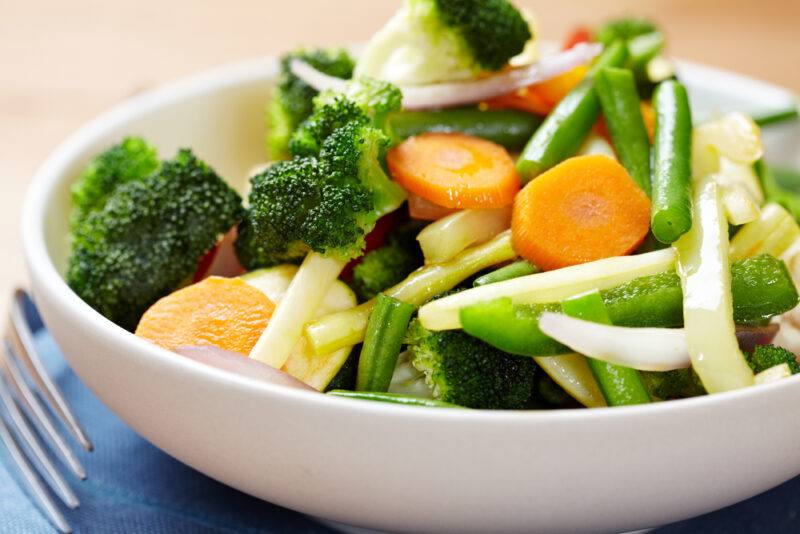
65,62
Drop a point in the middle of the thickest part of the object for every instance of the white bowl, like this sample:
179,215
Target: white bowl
391,467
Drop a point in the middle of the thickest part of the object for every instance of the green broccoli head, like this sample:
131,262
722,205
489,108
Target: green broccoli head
326,204
131,160
675,384
624,28
149,236
388,265
431,41
254,253
465,371
292,100
366,101
764,357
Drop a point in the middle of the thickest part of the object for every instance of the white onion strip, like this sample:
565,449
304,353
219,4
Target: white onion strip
469,92
646,349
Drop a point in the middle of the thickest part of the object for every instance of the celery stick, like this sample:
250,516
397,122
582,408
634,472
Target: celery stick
704,268
442,240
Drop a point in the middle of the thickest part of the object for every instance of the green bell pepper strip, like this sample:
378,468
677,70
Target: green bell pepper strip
616,89
563,131
512,270
620,385
761,288
386,330
506,127
671,208
394,398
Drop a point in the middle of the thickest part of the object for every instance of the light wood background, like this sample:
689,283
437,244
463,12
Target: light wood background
63,62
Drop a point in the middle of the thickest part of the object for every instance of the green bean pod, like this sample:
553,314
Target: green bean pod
507,127
394,398
386,330
777,117
620,385
671,207
512,270
619,100
563,131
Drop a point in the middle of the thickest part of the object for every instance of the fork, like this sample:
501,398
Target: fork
20,365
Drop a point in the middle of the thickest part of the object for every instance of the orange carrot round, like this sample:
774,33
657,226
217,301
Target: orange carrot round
455,170
584,209
227,313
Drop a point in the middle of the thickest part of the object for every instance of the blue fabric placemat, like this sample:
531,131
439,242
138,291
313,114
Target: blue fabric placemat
134,488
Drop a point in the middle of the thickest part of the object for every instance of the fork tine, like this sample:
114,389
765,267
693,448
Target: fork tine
24,430
37,413
39,491
22,339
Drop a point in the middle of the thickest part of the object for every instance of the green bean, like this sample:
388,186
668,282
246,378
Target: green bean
506,127
789,114
643,48
563,131
620,385
671,214
394,398
512,270
616,89
384,336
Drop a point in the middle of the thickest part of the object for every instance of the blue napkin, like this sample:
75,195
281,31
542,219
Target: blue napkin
135,488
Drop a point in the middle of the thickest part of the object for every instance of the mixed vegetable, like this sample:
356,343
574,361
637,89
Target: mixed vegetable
460,218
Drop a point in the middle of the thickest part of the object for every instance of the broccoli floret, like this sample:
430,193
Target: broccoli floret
675,384
389,264
463,370
551,393
326,204
625,28
292,100
366,101
149,236
253,253
765,356
430,41
131,160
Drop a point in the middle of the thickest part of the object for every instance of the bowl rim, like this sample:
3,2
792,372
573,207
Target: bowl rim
40,265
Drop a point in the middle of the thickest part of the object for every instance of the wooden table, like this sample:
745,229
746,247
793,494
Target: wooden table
65,62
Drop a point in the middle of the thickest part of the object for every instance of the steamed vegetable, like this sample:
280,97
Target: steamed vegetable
507,272
431,41
774,232
672,163
703,266
776,117
506,127
616,90
388,265
442,240
462,370
383,338
149,236
564,130
620,385
583,209
455,170
551,286
572,373
291,101
761,288
346,328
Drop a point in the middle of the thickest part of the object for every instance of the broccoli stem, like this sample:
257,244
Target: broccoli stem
309,286
347,327
383,340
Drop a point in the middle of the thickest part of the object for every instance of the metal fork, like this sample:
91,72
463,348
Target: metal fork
20,365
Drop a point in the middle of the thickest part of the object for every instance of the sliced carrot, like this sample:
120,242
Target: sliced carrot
542,97
649,116
584,209
224,312
425,210
455,170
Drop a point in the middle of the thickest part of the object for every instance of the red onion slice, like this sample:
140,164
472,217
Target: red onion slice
458,93
240,364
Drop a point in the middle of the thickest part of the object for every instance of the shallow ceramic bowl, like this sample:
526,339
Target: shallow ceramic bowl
390,467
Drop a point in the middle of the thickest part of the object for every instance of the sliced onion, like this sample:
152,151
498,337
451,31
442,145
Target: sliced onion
233,362
458,93
646,349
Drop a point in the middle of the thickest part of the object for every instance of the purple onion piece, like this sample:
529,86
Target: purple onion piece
751,336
